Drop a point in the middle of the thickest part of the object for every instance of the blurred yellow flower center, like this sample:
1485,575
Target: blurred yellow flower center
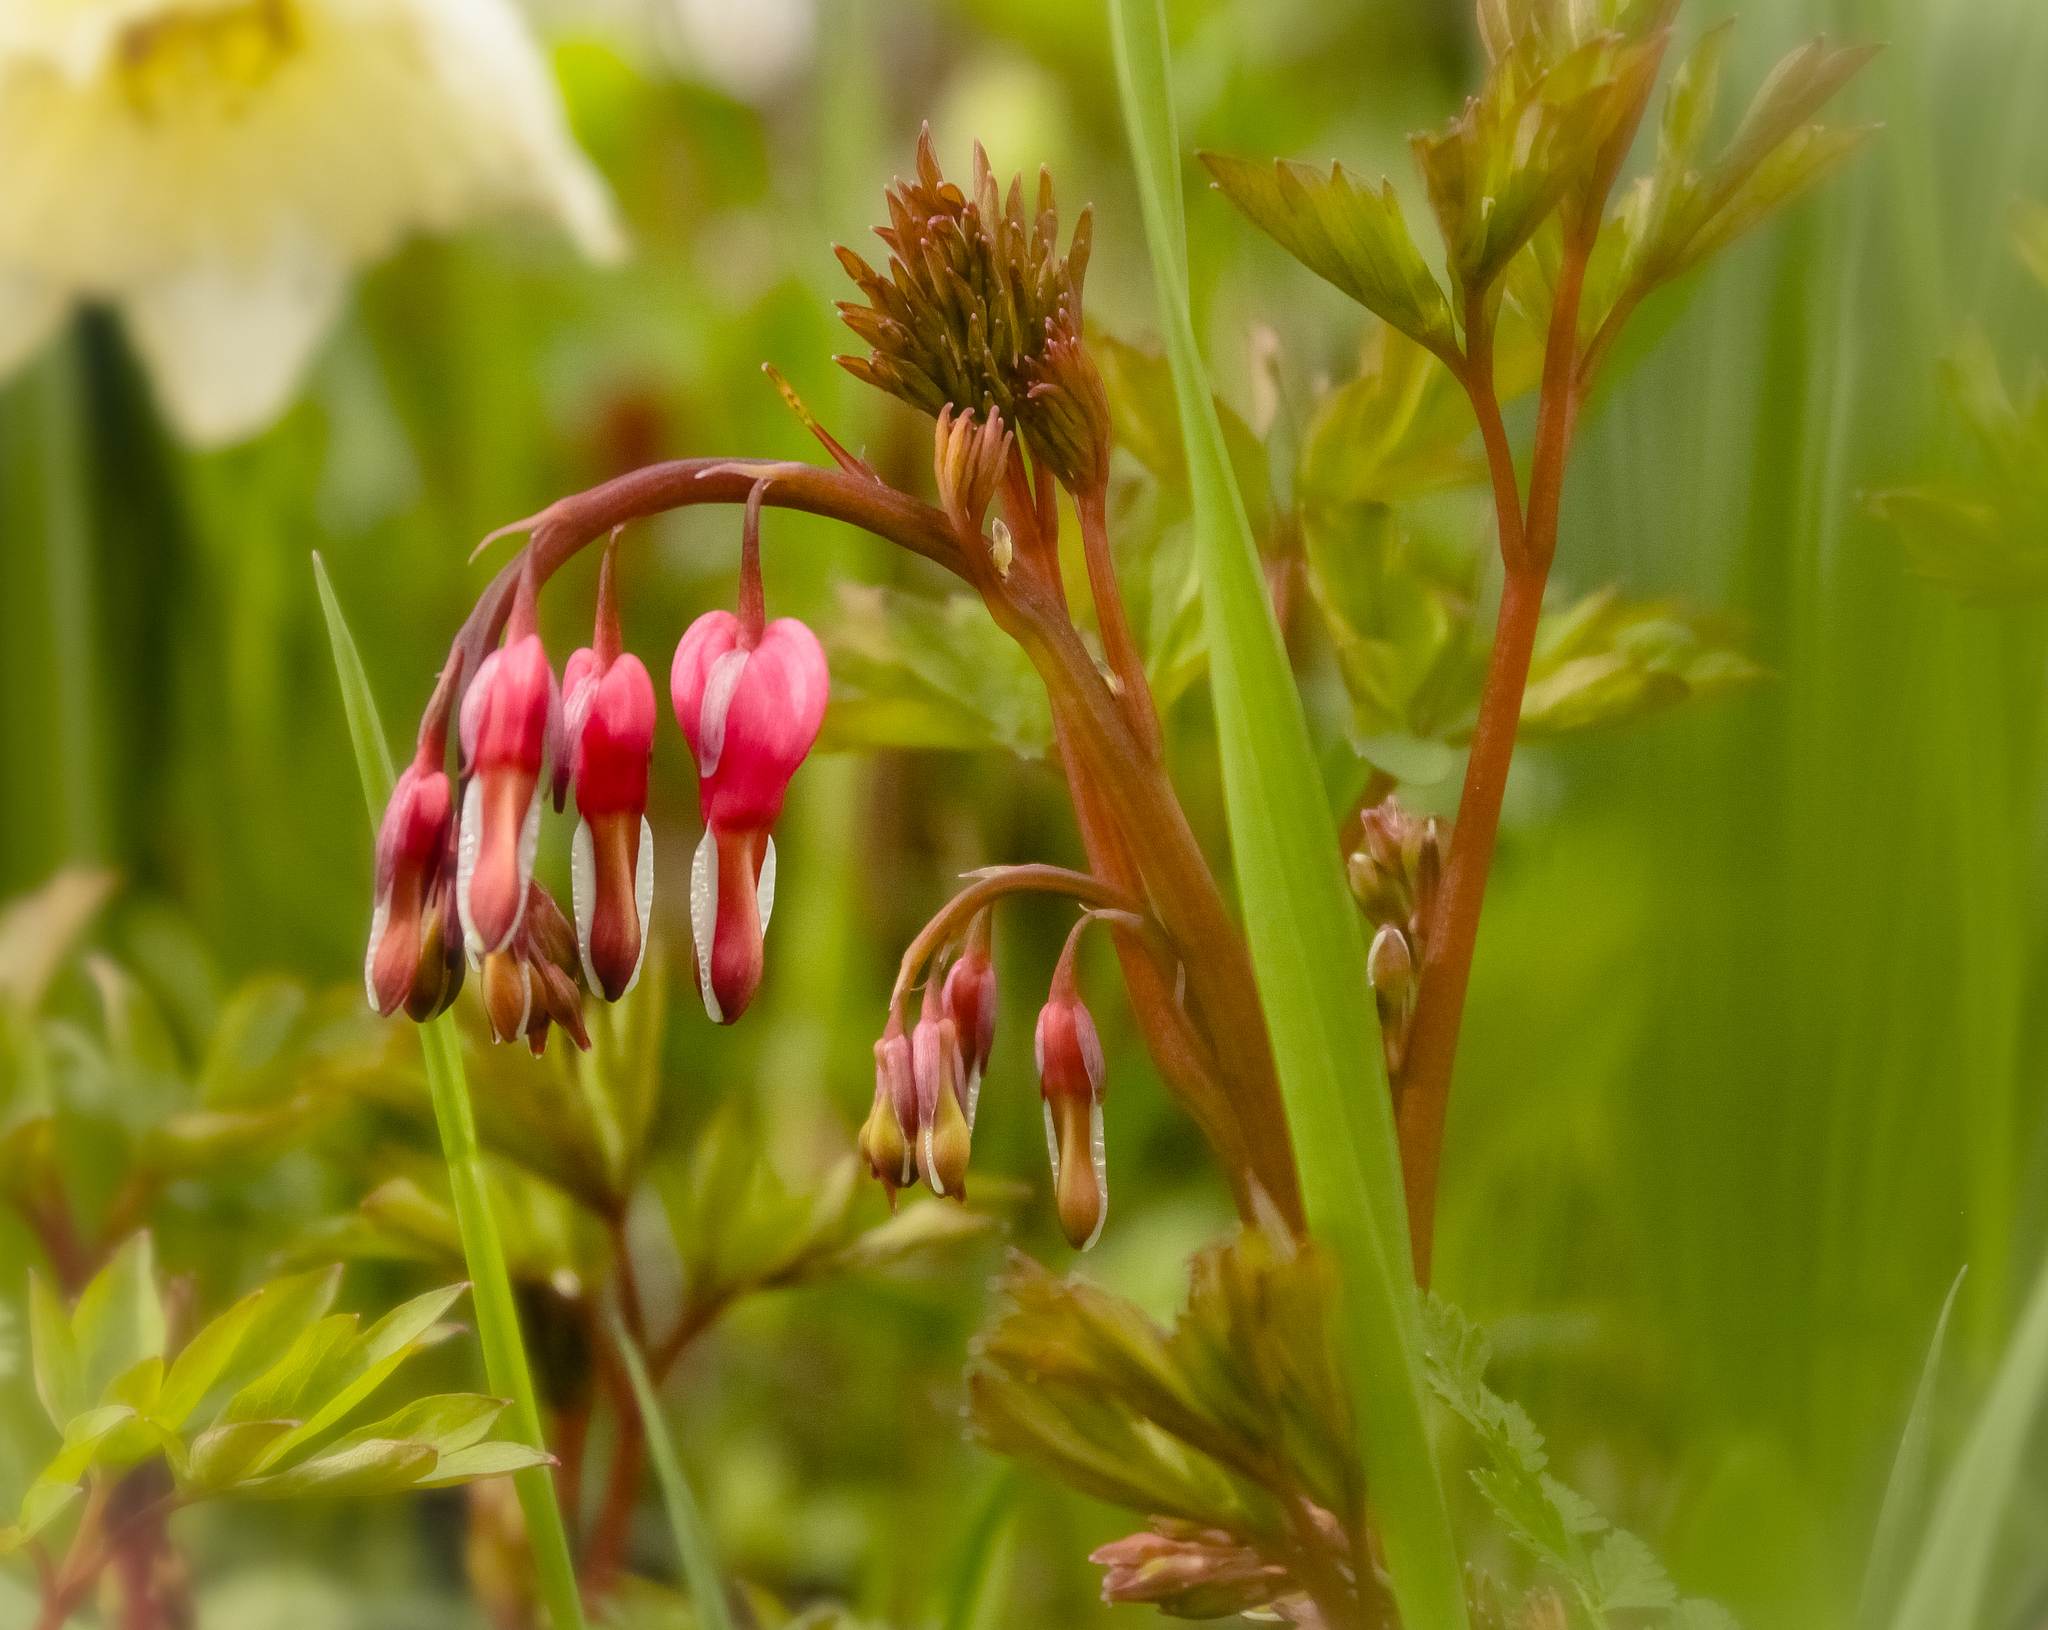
216,57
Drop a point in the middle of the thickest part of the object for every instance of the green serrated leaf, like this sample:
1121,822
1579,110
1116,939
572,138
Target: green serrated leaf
119,1320
1697,1613
1345,233
1627,1575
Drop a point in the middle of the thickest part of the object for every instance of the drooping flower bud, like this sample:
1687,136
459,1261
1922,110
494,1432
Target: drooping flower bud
529,985
943,1135
1070,1079
1397,870
511,718
407,960
971,1005
1189,1571
750,700
608,715
1390,968
887,1139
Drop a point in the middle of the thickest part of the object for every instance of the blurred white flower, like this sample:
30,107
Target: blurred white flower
215,169
751,49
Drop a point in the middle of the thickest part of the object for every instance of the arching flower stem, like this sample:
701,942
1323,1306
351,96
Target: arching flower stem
1210,1042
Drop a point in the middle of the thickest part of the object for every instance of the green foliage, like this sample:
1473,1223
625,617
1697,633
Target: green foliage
1307,951
250,1408
914,672
1607,1569
1227,1422
1986,541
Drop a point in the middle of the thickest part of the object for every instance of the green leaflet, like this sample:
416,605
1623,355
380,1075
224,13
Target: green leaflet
1305,941
497,1317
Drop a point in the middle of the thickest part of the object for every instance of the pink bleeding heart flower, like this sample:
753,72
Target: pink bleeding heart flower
608,714
511,722
750,709
414,958
1070,1078
971,1004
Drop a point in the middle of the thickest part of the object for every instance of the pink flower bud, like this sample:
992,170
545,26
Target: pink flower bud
886,1141
511,718
971,1004
608,716
408,953
942,1131
750,712
1070,1078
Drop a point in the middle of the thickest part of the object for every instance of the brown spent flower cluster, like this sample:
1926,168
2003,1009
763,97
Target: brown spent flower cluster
1395,873
980,311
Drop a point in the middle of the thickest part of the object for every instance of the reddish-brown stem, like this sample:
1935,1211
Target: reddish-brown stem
607,1551
1476,374
1527,549
604,632
753,604
1118,643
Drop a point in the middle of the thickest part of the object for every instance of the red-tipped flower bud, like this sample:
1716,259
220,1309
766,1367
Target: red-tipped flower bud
750,711
511,717
943,1134
608,714
971,1005
407,960
1070,1078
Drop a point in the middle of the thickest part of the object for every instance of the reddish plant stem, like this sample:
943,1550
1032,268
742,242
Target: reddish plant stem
607,1551
1527,550
1118,644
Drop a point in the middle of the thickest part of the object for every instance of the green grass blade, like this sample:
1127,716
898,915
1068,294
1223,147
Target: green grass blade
1307,950
1946,1587
497,1316
373,753
686,1522
1906,1490
978,1572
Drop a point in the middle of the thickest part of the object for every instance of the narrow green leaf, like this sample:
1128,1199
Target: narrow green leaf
1348,235
60,1382
377,1467
1946,1586
497,1317
686,1522
1906,1489
223,1455
979,1569
242,1343
484,1460
119,1320
1306,947
448,1421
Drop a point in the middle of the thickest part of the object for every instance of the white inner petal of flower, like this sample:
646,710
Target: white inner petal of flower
1052,1140
469,840
764,887
973,1096
931,1164
704,917
724,680
380,919
643,898
583,893
529,849
1098,1152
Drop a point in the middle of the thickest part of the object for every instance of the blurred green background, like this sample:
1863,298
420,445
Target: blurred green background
1753,1059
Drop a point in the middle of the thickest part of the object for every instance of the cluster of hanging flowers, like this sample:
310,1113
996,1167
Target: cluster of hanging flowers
978,323
455,883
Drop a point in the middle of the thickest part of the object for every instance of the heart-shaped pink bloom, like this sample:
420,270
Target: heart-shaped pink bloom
750,715
511,719
608,714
